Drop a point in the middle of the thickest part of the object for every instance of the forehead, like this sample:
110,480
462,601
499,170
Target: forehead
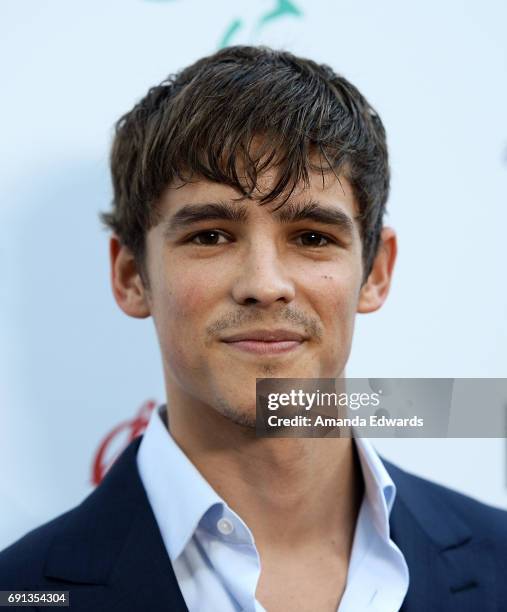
324,188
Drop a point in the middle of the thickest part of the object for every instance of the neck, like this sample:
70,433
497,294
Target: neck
309,488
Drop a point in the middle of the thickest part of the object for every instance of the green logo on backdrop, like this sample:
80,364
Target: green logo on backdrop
280,10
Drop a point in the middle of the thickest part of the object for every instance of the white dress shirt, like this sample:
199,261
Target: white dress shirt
213,551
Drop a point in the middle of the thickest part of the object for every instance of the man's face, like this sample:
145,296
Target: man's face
212,278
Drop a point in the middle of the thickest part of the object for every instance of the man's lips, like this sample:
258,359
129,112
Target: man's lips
265,348
266,335
265,342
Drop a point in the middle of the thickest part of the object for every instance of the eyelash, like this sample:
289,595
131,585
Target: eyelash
330,241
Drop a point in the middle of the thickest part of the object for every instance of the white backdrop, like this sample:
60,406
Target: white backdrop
73,367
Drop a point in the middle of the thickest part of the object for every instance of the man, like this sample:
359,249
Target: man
249,194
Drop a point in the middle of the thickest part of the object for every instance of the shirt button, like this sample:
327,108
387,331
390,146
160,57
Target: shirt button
225,526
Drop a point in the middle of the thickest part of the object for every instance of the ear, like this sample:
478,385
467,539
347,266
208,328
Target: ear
376,288
128,288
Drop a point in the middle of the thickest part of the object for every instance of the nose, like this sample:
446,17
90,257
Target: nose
262,279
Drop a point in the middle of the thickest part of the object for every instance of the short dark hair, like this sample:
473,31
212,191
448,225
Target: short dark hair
202,121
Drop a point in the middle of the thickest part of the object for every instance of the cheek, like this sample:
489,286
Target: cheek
337,296
184,309
186,297
335,302
180,318
188,301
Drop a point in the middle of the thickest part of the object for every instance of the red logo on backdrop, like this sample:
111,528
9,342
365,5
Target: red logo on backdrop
118,439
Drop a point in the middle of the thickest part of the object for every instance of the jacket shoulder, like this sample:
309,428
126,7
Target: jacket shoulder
83,537
22,563
484,521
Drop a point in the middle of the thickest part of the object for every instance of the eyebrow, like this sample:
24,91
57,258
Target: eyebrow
291,212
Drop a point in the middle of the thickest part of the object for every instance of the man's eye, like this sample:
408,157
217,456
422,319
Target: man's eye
207,238
315,239
212,237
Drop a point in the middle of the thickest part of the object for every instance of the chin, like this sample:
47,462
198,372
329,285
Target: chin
243,416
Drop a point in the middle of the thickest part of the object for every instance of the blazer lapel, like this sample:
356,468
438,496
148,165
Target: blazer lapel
449,569
111,549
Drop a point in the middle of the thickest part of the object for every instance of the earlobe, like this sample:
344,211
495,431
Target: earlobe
375,290
126,282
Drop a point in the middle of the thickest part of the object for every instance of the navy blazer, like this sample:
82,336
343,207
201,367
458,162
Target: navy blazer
108,551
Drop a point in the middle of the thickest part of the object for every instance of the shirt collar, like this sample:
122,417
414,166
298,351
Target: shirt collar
176,490
180,496
380,490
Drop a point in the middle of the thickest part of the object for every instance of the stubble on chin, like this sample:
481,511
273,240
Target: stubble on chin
232,413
